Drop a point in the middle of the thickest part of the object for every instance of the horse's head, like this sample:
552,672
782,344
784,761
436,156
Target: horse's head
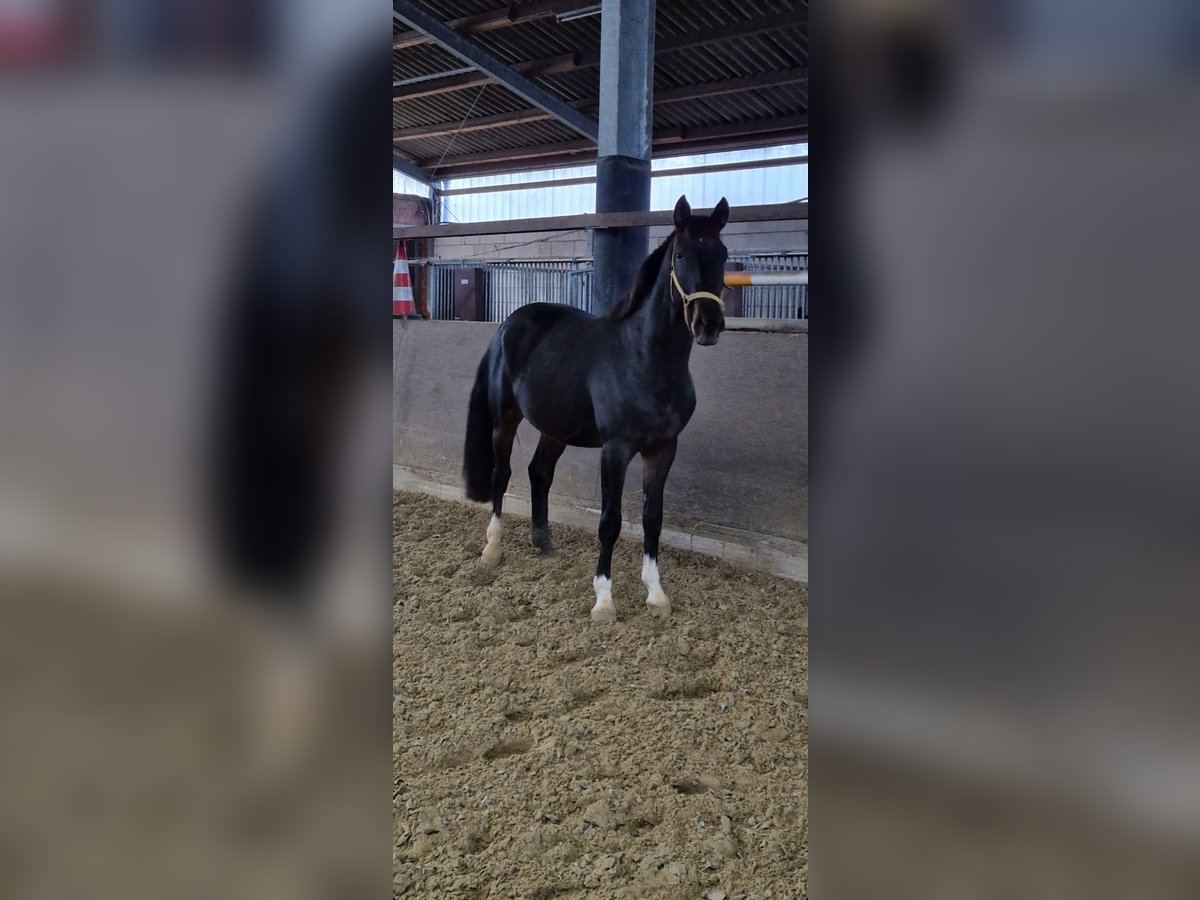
698,269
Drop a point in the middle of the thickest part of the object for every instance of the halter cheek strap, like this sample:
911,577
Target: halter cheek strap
695,295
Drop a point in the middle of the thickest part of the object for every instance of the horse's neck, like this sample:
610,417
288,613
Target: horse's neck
661,325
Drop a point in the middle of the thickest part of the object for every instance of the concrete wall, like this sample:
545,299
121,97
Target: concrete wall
520,245
740,237
742,466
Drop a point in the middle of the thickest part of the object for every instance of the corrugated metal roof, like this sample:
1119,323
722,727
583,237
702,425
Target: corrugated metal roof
782,46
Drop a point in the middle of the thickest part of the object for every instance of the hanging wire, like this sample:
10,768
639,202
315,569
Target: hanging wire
454,136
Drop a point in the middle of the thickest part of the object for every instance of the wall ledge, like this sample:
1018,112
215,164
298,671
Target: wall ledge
766,553
775,326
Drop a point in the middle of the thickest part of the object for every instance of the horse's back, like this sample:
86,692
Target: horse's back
547,351
546,326
539,317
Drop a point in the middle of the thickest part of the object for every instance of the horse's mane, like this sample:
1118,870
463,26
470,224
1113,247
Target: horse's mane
643,282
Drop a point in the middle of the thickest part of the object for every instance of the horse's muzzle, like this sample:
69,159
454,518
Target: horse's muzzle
706,322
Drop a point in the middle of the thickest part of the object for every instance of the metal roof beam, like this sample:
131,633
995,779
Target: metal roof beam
474,55
407,167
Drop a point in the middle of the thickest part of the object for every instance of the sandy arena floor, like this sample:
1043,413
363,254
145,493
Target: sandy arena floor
540,755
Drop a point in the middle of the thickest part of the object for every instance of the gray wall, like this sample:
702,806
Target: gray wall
742,462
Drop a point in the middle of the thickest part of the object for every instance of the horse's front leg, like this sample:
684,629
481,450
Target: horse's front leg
657,467
614,460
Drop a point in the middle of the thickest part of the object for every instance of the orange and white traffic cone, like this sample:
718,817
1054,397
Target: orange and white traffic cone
403,304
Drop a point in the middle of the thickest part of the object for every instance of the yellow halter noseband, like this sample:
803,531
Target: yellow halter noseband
688,298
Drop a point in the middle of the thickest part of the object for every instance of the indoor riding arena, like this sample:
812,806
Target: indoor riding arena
539,751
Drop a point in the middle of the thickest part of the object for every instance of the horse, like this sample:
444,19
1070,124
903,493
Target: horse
619,382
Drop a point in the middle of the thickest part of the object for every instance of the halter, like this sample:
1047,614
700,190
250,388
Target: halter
695,295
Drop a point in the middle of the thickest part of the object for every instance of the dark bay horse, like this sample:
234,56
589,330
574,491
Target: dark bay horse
619,382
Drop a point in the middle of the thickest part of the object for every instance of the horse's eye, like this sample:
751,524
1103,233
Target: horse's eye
679,256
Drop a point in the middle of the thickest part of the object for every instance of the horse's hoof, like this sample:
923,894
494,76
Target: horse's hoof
490,560
605,615
541,540
659,610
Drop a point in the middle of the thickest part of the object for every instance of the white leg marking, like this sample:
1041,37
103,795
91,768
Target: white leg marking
656,600
491,553
604,610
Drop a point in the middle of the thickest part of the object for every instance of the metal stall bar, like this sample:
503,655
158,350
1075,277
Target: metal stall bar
749,279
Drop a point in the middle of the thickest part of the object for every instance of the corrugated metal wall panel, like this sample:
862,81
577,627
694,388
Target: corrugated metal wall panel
746,187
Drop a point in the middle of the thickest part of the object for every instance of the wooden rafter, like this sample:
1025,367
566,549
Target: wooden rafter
673,95
772,212
494,20
662,137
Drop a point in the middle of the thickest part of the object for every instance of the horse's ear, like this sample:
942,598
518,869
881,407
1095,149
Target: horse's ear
683,212
720,214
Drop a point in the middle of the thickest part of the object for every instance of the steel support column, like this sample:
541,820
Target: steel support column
623,166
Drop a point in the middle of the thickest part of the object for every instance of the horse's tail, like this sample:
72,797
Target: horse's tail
479,458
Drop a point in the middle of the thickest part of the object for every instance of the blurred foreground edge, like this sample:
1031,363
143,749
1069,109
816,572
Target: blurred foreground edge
1003,688
196,453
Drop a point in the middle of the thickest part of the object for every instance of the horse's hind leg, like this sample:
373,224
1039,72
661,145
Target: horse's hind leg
502,441
541,476
657,467
614,459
